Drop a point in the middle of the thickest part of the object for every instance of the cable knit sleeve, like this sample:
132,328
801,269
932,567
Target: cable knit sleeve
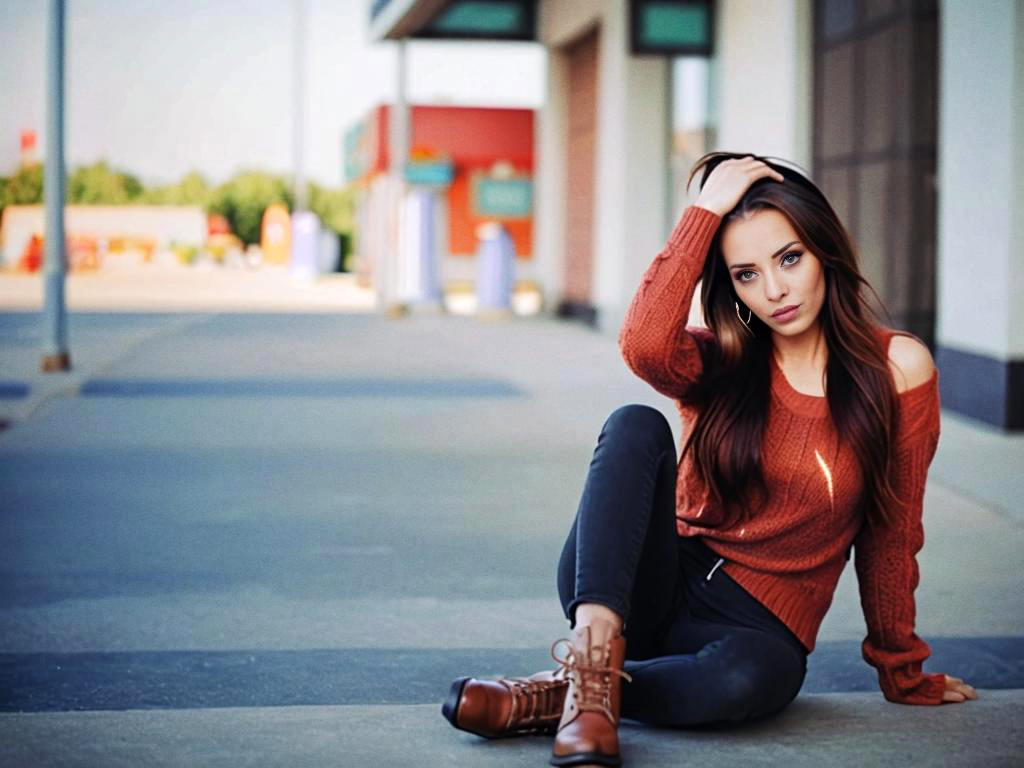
655,341
886,562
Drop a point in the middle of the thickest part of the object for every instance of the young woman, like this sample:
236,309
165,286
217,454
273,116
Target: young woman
695,590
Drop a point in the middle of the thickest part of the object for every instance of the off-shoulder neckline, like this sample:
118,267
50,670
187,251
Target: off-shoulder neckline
816,406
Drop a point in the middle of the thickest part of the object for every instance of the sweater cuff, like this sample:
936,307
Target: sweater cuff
926,691
697,225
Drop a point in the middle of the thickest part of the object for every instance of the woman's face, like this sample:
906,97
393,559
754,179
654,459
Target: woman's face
770,269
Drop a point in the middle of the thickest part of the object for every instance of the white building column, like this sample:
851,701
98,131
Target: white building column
631,154
761,78
632,175
549,203
980,259
391,266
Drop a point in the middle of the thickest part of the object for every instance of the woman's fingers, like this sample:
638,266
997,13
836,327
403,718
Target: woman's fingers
957,690
758,168
730,179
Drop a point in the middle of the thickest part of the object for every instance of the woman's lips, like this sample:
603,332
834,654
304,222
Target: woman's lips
785,317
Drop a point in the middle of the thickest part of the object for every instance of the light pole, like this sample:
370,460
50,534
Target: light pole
299,105
391,265
55,351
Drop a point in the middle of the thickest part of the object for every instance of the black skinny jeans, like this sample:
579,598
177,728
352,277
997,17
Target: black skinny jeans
699,647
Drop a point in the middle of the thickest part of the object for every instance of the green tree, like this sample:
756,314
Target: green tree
193,189
335,207
99,184
23,188
243,199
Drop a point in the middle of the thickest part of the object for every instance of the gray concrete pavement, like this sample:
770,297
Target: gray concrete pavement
274,539
841,730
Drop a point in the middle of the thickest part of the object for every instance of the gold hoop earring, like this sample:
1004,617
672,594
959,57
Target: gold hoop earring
746,323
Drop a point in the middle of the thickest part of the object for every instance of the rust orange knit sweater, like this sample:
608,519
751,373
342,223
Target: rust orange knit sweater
790,556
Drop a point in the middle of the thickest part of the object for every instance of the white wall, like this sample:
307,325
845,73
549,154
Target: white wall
1015,347
763,78
643,176
560,22
980,260
549,210
630,200
614,153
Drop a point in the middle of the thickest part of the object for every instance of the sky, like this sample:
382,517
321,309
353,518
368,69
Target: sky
159,88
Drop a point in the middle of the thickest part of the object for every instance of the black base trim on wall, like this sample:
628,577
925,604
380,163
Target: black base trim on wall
577,310
982,387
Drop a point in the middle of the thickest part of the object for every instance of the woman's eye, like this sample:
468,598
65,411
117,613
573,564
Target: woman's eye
794,254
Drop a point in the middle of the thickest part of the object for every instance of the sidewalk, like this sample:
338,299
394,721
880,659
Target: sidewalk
146,291
273,539
153,288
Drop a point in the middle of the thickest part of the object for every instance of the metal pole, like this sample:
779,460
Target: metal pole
299,105
55,352
400,123
395,269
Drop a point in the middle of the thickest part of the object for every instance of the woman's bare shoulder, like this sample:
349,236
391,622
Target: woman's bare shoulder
910,361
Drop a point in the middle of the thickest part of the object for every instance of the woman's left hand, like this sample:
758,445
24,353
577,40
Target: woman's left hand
957,690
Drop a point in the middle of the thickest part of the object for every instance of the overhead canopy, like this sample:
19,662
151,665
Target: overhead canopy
672,27
454,19
660,27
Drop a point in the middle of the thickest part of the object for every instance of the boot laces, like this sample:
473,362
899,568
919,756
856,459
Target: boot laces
592,688
533,701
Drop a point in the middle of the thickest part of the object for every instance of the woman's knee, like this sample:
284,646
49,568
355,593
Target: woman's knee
739,691
729,681
754,688
640,422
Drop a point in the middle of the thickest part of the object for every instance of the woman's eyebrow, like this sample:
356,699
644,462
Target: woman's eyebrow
792,242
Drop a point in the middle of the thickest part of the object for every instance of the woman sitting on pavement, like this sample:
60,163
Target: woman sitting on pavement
695,588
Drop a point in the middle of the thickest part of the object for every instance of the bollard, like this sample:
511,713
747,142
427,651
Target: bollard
305,245
495,270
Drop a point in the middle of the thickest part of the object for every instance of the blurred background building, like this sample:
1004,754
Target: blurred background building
466,166
907,112
429,128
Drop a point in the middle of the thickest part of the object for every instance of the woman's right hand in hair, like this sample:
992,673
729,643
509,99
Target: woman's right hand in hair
729,180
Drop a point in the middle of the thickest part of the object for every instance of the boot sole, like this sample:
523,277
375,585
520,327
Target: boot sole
586,758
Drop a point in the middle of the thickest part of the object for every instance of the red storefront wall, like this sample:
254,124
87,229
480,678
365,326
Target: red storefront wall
474,138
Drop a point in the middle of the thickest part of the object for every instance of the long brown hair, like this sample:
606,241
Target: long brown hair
736,386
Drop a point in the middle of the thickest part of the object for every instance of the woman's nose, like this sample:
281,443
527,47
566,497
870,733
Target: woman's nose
774,289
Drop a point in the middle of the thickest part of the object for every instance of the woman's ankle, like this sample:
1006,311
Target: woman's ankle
599,617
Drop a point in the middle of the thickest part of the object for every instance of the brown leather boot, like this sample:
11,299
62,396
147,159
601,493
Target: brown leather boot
588,732
507,706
